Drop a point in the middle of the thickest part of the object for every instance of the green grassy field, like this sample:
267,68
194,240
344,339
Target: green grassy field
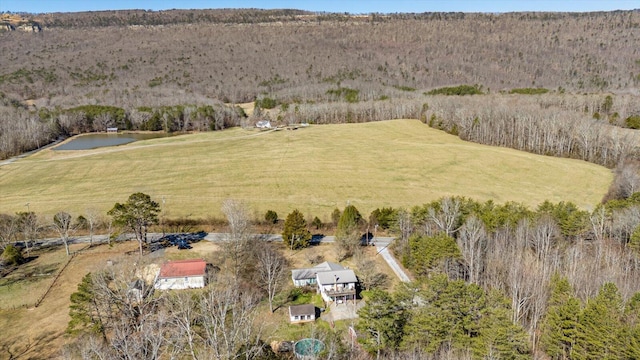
398,163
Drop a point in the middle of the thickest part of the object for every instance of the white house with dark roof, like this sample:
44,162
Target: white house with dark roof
337,285
302,313
307,277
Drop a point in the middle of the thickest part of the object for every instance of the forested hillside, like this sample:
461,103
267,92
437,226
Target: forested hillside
173,70
236,55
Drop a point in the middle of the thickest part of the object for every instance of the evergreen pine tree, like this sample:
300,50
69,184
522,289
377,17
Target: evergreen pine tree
295,232
599,326
630,334
11,255
84,311
560,324
381,322
348,235
430,252
448,320
500,337
349,221
634,240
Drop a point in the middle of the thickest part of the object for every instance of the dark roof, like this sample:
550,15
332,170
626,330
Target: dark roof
337,277
306,309
310,273
137,284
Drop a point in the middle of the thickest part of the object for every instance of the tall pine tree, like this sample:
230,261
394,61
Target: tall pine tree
381,322
84,310
500,337
599,326
560,325
295,232
630,334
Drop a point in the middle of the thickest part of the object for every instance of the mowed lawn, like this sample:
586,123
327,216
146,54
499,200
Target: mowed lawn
399,163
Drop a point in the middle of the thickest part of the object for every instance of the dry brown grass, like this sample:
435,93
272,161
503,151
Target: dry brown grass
202,249
38,333
400,163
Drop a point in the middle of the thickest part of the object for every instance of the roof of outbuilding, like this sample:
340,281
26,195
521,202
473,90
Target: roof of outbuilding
183,268
336,277
306,309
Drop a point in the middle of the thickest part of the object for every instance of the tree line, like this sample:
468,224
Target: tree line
546,125
22,131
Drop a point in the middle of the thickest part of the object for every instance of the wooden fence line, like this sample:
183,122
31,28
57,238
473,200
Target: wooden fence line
39,301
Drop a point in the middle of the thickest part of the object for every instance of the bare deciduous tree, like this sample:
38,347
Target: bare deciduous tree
92,216
184,317
404,225
102,121
237,245
227,315
131,313
368,274
63,224
472,242
9,228
271,269
29,226
446,218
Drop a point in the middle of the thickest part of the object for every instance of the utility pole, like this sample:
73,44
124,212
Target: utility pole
367,236
162,217
375,233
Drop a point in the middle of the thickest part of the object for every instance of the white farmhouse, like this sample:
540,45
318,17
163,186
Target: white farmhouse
181,274
337,285
306,277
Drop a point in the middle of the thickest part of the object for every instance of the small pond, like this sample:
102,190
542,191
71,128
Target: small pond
92,141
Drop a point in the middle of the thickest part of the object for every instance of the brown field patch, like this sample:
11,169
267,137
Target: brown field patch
38,333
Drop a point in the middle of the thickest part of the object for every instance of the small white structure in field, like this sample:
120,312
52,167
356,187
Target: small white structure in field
263,124
181,274
112,130
302,313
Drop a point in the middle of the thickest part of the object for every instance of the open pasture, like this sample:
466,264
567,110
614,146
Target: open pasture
399,163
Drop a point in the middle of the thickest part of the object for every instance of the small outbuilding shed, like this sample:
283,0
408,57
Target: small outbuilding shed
263,124
302,313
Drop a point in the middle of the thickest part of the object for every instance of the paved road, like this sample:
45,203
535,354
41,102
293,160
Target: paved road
12,159
393,264
384,241
278,237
